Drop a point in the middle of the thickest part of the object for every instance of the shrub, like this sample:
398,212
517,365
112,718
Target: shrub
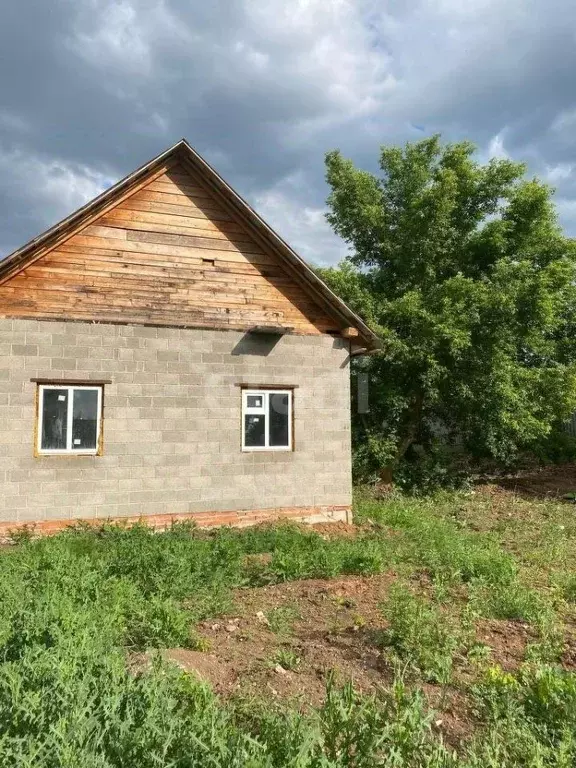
281,619
390,730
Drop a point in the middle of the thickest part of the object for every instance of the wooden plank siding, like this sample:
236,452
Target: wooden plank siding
171,254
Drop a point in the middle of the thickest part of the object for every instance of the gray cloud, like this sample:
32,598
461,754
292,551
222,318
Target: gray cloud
90,89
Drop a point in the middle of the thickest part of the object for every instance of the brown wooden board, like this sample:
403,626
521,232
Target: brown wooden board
169,253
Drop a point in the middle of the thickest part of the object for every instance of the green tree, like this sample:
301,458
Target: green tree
464,272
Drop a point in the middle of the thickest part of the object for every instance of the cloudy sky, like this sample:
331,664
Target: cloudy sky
91,89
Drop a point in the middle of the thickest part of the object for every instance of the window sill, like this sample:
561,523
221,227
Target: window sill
48,454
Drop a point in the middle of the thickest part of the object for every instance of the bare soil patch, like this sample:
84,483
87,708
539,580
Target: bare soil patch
553,482
326,627
507,640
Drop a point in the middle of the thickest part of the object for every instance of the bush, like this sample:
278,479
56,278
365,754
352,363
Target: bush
541,695
390,730
558,447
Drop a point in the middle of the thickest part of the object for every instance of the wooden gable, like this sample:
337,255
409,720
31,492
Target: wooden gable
170,253
173,244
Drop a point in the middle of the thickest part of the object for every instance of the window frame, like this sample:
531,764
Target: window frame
70,387
246,410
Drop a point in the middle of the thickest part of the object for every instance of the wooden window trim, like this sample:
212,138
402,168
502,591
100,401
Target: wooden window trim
267,386
265,410
42,385
73,382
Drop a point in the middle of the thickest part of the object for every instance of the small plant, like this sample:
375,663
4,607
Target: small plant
479,655
420,635
281,619
359,621
345,602
568,587
21,535
497,694
550,645
548,695
287,658
512,601
159,623
541,694
390,729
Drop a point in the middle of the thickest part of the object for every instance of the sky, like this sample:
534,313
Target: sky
92,89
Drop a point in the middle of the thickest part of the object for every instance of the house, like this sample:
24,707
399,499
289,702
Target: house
164,354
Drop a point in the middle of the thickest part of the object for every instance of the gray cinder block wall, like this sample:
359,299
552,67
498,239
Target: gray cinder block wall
172,422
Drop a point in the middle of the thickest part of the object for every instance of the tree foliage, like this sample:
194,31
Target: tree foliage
464,272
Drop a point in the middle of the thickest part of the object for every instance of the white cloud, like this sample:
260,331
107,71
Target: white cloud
54,187
333,45
323,54
555,174
496,147
122,34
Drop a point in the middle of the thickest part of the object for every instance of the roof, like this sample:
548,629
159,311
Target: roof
184,153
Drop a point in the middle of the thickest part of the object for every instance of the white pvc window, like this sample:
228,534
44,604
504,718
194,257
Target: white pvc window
69,419
267,420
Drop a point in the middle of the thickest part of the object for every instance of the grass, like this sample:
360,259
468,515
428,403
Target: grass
74,607
281,619
422,636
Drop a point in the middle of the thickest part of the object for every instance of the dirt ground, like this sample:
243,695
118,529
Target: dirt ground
323,627
554,482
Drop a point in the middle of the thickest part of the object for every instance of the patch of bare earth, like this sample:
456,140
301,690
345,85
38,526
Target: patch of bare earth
553,482
507,640
325,630
325,627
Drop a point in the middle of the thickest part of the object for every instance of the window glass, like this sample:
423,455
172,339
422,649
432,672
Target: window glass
267,419
279,420
54,419
85,419
69,419
254,430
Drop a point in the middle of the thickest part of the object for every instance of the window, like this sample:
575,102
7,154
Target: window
267,420
69,419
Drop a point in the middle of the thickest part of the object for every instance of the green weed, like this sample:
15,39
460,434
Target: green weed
512,601
281,619
74,606
421,635
287,658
